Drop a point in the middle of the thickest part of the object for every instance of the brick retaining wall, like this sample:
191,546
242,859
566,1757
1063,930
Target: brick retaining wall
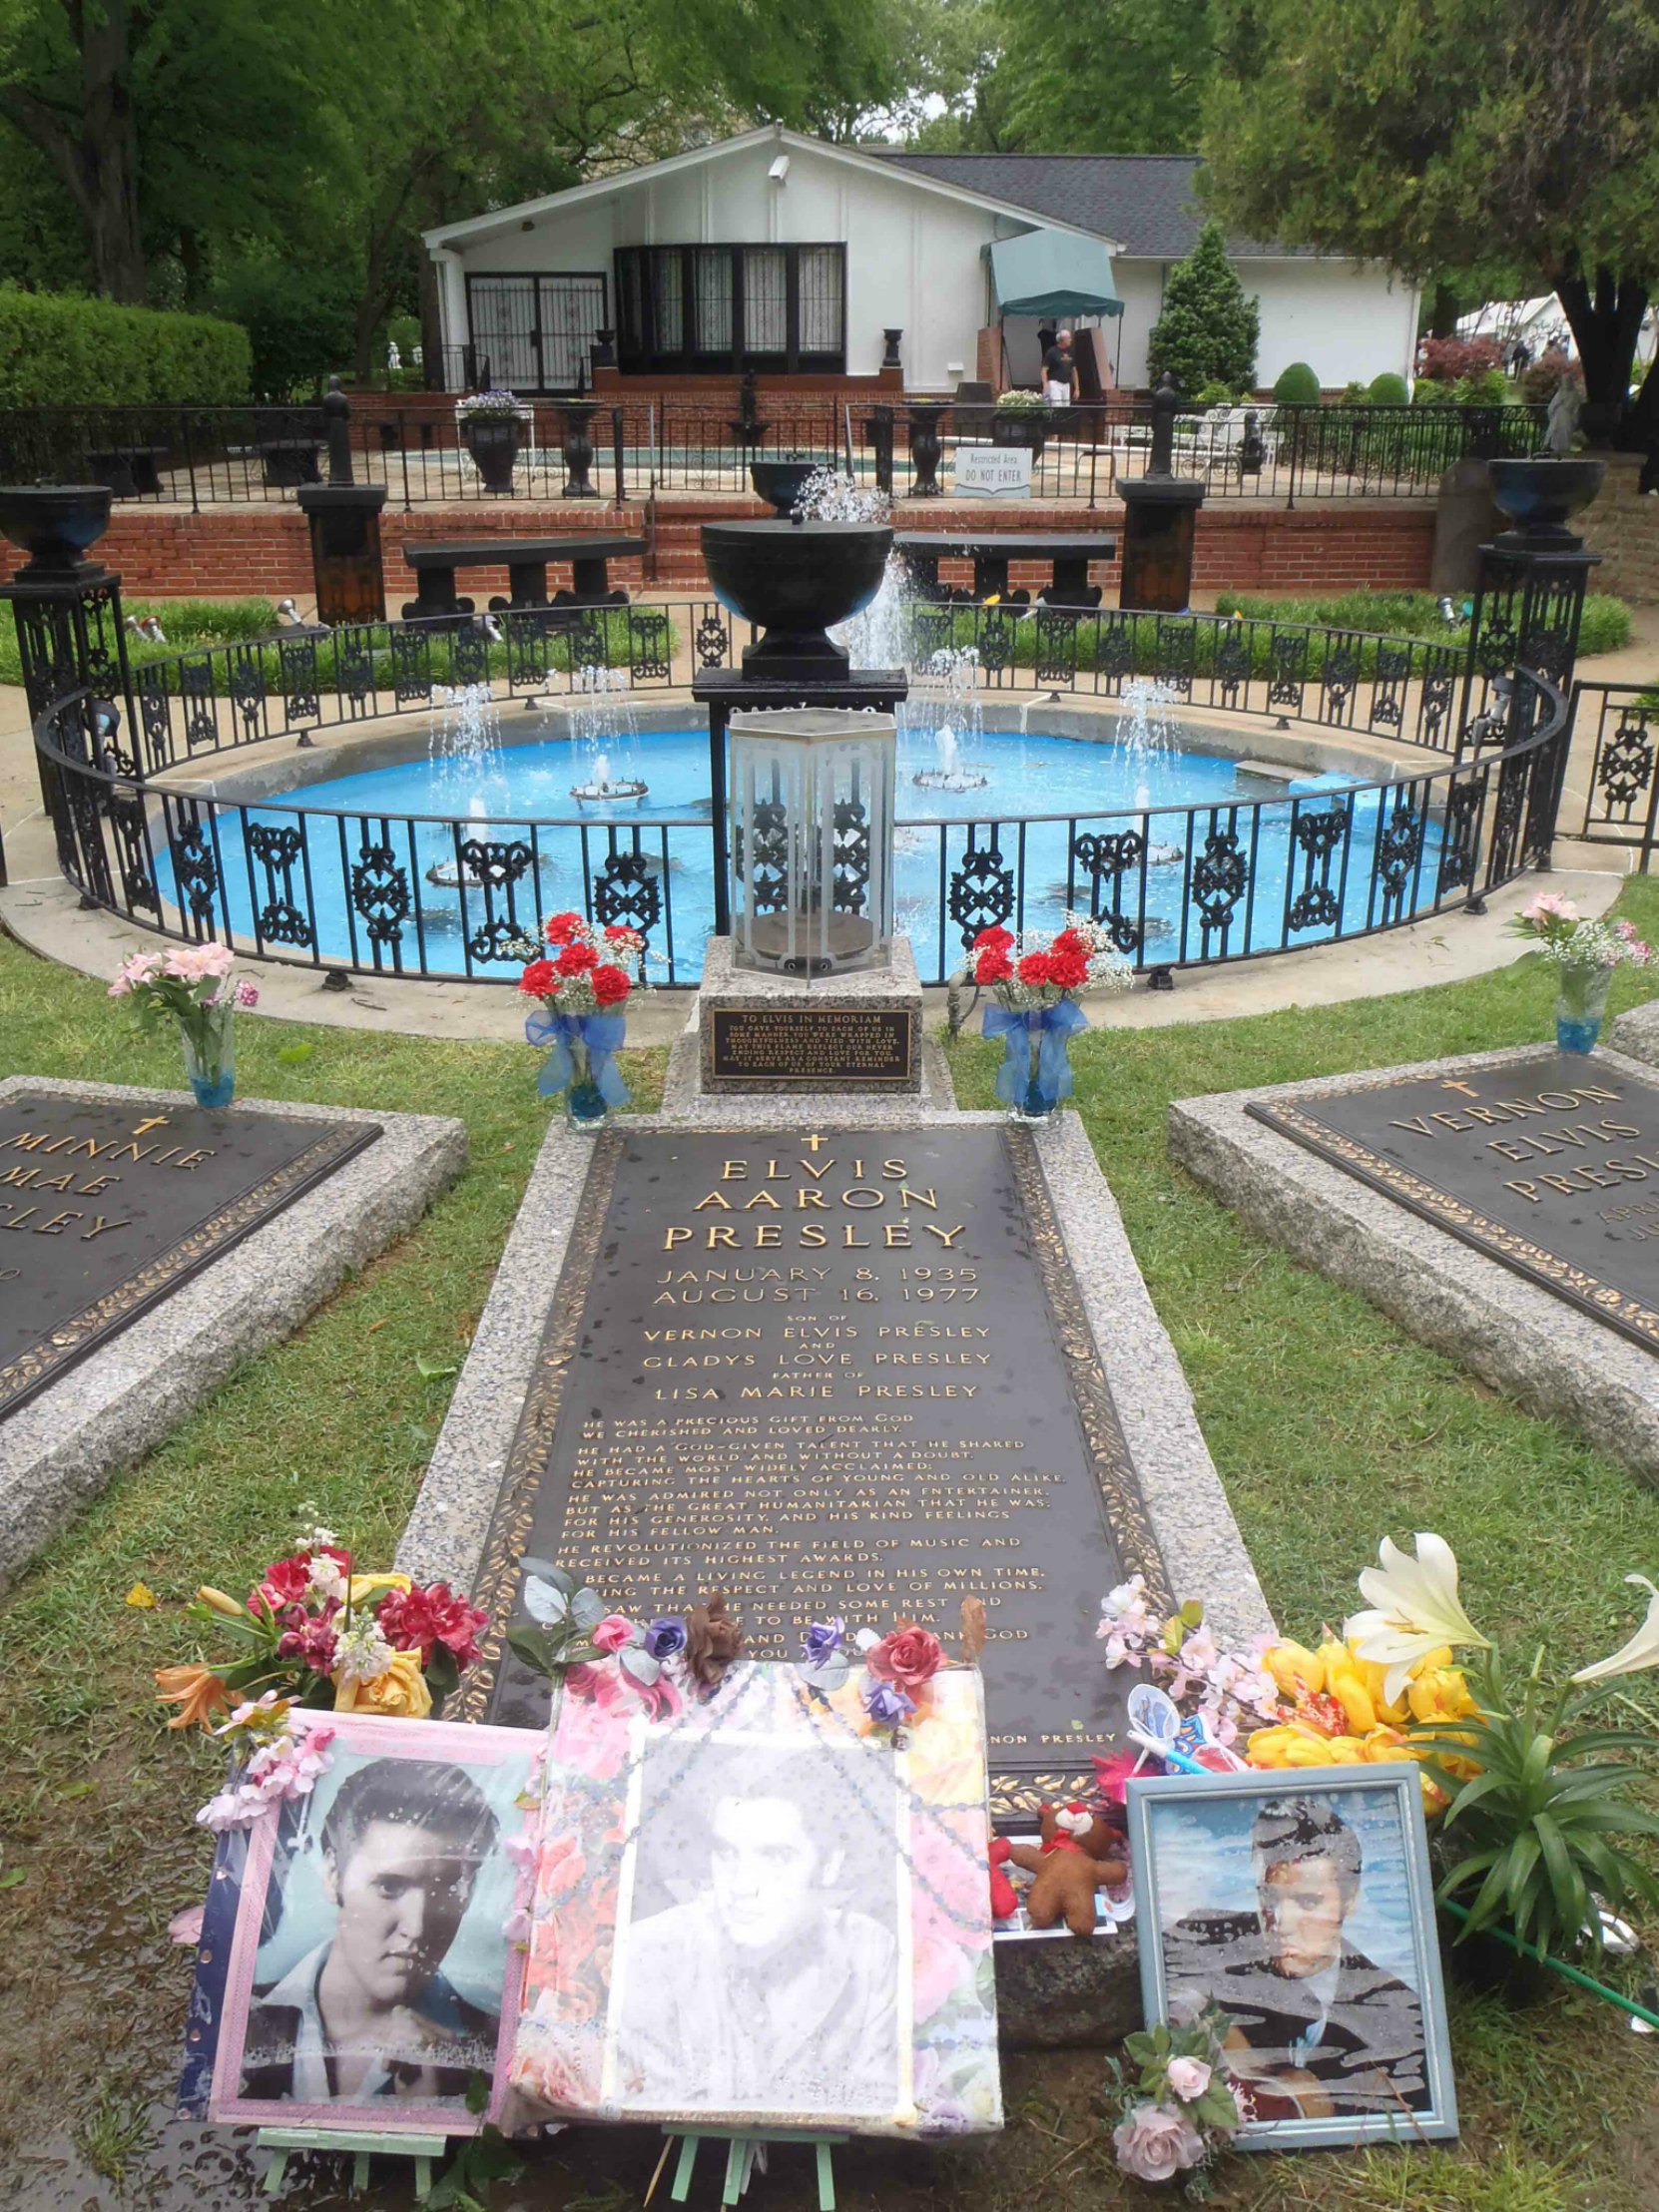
1623,527
227,551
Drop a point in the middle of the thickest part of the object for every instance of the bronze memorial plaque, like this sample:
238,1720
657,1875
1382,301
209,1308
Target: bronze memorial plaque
107,1205
1549,1165
777,1047
832,1373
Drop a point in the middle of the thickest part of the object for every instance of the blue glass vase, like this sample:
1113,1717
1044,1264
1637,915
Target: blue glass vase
1580,1006
585,1106
210,1042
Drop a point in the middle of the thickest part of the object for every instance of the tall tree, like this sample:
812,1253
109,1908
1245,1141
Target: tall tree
1437,133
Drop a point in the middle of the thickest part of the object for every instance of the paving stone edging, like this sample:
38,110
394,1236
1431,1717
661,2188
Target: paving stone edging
59,1450
1510,1331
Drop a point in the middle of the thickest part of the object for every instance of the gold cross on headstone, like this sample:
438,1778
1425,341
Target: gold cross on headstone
155,1121
1466,1091
813,1142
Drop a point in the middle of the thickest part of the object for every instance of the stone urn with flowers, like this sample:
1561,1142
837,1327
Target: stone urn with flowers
491,424
1035,981
1585,955
192,985
583,983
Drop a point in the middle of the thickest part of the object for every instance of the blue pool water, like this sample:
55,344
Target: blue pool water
1028,777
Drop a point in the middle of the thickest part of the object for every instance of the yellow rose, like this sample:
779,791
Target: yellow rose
365,1585
1295,1669
1439,1694
1375,1676
401,1690
1346,1751
1292,1745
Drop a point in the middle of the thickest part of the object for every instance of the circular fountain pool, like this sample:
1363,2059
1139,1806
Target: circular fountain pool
482,832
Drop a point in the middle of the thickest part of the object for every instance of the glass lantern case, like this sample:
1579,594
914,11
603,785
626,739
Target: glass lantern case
812,839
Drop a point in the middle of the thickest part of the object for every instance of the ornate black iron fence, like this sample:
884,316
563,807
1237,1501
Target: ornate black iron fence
201,456
1621,806
424,895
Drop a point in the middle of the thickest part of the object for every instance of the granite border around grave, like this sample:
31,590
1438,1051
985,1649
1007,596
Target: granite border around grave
58,1448
1510,1331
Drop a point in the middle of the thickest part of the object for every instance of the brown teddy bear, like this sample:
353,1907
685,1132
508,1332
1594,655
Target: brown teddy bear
1079,1854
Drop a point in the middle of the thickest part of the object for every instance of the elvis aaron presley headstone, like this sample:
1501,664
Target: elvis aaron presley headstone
832,1371
1550,1164
108,1204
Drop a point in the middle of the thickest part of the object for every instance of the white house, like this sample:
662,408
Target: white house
792,257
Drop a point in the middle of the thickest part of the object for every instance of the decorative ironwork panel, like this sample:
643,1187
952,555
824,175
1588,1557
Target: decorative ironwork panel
1624,764
1056,647
247,690
1288,665
412,664
499,941
994,637
1106,859
1398,844
1387,691
195,692
155,716
713,640
194,870
1465,802
648,645
850,862
1232,663
1339,677
1317,836
627,894
301,686
588,643
495,865
1220,876
354,662
380,894
1177,655
1114,652
980,895
127,820
277,846
469,657
530,635
769,862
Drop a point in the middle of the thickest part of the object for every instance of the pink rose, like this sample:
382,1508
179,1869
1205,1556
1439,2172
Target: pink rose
613,1632
1189,2078
908,1658
1155,2144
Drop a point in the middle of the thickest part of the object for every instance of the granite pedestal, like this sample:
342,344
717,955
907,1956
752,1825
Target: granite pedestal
768,1035
229,1290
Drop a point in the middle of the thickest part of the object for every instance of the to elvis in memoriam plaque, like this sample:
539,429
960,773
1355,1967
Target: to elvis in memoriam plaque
107,1205
830,1371
1549,1163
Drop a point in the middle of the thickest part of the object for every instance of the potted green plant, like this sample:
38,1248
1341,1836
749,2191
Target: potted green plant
491,424
1021,418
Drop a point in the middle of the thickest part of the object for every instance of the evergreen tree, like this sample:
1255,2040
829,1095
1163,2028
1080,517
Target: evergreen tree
1208,331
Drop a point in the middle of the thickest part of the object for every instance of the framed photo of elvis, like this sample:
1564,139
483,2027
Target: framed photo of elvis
354,1970
1301,1903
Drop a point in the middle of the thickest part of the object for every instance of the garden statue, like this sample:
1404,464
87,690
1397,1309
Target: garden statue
1561,425
394,359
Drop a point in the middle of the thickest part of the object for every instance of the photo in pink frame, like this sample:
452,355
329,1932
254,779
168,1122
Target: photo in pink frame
370,1976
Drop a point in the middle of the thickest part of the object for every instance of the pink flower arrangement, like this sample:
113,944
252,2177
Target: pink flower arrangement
1182,2110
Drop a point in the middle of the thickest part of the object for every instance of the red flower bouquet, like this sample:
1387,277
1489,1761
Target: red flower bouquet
1036,981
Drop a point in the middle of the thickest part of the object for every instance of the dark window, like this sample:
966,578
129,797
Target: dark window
709,309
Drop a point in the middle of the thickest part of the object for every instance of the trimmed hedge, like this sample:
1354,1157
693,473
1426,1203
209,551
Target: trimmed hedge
1297,386
1416,614
58,350
1388,391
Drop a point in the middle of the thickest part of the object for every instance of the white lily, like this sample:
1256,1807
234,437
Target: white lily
1416,1610
1642,1649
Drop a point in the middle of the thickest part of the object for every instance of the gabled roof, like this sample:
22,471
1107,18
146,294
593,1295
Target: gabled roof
1147,203
867,159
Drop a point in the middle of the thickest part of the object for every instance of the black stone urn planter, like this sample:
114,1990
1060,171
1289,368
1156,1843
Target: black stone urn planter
1538,497
794,580
926,446
54,524
577,447
1016,426
781,481
494,441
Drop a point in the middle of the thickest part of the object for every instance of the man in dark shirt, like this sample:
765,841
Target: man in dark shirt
1317,2029
1060,372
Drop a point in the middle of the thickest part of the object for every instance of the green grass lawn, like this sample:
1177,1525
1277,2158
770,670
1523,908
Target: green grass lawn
1328,1428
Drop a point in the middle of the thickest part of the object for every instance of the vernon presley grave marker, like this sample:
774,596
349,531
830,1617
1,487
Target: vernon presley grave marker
106,1206
1549,1165
837,1371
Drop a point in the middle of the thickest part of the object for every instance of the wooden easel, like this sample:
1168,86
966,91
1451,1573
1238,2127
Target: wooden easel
360,2145
743,2155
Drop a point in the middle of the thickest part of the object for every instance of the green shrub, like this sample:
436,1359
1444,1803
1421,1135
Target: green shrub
1416,614
185,622
1207,331
1297,386
1214,394
59,349
1537,385
1353,394
301,323
1487,388
1388,391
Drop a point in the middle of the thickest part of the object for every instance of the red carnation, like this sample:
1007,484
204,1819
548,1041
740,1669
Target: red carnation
1036,969
1069,941
286,1583
563,928
993,941
617,932
992,966
539,979
610,985
1068,969
417,1619
576,959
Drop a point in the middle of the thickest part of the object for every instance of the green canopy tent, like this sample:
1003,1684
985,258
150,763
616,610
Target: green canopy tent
1051,273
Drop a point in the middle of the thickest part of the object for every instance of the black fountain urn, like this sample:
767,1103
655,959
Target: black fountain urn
794,580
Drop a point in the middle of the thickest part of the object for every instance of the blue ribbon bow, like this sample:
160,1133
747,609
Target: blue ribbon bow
1041,1089
602,1034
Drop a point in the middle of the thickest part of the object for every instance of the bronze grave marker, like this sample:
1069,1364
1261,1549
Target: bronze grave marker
1550,1165
774,1048
108,1204
832,1371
